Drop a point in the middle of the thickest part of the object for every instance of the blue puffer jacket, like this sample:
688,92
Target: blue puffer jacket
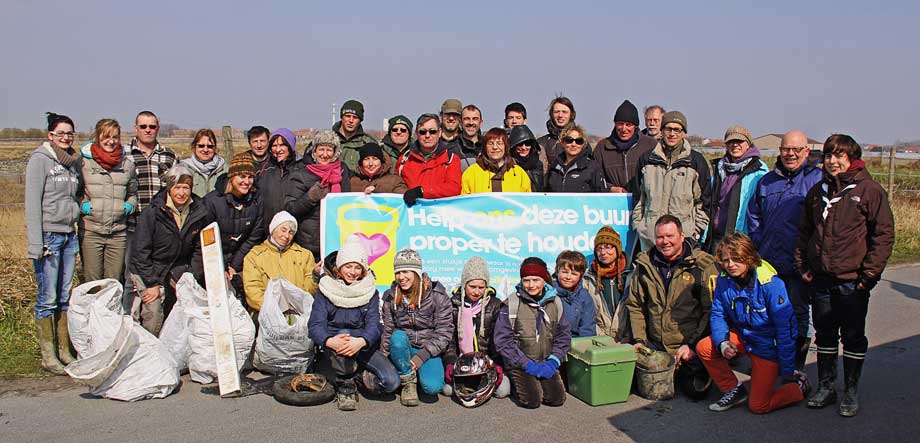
775,210
578,308
760,313
327,319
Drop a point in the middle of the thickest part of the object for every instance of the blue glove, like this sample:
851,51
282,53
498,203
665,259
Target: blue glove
86,208
129,208
547,368
531,368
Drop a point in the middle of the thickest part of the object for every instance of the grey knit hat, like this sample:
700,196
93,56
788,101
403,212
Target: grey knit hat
408,260
328,138
474,269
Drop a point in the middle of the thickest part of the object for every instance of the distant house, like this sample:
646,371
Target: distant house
910,149
772,141
717,143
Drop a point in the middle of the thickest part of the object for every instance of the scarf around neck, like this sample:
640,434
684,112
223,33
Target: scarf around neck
624,145
107,160
330,174
179,213
68,157
729,172
343,295
465,325
206,169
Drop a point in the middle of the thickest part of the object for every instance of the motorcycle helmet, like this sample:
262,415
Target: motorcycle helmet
474,379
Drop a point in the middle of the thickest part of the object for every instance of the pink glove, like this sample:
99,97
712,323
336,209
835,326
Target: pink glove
501,374
449,373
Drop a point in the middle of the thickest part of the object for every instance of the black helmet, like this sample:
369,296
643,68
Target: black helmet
520,134
475,379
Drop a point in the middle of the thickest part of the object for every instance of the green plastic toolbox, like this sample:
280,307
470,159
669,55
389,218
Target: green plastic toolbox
599,370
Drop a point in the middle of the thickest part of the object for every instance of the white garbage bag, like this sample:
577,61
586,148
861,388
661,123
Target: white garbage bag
175,331
118,359
202,361
283,345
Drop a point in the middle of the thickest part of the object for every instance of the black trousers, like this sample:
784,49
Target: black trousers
839,314
531,391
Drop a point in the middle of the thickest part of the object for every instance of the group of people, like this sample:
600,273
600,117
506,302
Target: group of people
733,252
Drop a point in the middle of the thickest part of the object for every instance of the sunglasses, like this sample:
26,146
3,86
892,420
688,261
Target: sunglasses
427,131
400,130
62,134
569,140
525,145
204,146
147,127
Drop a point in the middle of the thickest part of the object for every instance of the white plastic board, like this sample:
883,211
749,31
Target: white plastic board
228,374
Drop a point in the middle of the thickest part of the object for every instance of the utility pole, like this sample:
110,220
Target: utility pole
333,113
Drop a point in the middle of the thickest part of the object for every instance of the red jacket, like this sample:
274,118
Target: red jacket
438,177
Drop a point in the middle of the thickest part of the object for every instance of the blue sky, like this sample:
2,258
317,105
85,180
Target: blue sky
820,66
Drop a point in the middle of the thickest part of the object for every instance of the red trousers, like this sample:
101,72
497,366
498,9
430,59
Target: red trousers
763,398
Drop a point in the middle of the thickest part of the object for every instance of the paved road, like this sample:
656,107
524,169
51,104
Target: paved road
891,384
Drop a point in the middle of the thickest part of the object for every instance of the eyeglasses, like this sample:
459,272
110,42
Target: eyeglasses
145,127
569,140
427,131
204,146
672,129
62,134
792,149
400,130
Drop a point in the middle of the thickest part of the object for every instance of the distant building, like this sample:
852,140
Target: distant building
772,141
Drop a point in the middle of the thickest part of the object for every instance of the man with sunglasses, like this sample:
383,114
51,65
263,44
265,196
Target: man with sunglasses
151,161
399,135
672,179
351,134
773,223
618,155
429,169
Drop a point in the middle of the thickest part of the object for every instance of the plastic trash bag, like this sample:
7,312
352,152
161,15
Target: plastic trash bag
117,358
175,331
283,345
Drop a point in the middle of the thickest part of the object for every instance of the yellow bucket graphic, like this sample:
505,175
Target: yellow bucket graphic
372,221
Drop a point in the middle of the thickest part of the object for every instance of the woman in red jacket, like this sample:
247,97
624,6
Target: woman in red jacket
429,169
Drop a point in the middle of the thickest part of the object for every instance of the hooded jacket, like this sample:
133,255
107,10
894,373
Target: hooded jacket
296,201
52,197
775,210
667,316
478,180
270,184
163,251
613,324
538,333
350,147
265,262
621,166
581,175
760,313
107,192
384,181
855,239
578,309
429,326
240,223
439,176
484,323
677,185
738,200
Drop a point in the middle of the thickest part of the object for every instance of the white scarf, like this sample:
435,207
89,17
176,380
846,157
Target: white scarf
829,202
354,295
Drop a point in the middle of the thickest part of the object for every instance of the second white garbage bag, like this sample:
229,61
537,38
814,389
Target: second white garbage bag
118,359
283,345
202,361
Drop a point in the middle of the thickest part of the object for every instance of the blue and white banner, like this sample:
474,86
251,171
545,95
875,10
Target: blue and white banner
503,228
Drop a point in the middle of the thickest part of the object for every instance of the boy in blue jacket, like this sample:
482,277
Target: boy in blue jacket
577,303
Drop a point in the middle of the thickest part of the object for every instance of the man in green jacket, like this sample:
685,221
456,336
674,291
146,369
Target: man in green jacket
351,134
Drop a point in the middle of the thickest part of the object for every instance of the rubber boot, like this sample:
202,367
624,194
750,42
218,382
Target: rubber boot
801,352
64,348
409,394
50,362
826,394
852,369
346,396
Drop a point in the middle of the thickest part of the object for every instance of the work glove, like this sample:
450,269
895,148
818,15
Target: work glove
129,208
317,192
531,368
86,208
547,368
866,283
412,195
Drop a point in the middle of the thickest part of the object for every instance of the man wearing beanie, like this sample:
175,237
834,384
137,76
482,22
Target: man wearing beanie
605,282
399,135
534,314
671,179
373,175
351,134
277,257
618,154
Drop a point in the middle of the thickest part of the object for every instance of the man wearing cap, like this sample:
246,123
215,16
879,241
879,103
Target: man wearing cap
450,123
773,223
653,116
734,178
470,137
618,155
351,133
399,135
671,179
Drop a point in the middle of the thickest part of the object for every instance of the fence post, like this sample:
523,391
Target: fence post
227,133
891,174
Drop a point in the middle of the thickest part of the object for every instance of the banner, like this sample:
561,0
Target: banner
502,228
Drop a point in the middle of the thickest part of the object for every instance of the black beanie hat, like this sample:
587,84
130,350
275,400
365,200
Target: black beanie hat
627,112
371,150
354,107
400,120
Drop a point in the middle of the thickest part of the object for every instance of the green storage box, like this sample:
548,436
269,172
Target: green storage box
599,370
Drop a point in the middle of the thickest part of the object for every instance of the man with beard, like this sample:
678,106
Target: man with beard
450,123
653,116
399,135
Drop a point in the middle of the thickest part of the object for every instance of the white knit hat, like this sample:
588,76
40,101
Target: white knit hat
353,251
279,219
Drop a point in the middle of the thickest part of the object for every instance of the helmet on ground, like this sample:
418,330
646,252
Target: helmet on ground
474,378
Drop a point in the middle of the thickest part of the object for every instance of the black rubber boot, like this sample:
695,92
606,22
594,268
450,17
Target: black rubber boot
801,352
852,369
826,394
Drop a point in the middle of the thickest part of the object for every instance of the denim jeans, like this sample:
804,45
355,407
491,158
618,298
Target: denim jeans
799,297
54,272
127,297
345,368
430,375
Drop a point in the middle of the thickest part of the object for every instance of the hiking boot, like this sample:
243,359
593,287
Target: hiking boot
346,398
64,349
852,368
50,362
826,394
369,382
730,399
409,394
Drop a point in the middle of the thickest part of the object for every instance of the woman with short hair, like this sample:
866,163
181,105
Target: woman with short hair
573,170
205,164
494,170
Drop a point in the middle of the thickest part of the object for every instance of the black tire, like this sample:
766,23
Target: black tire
282,392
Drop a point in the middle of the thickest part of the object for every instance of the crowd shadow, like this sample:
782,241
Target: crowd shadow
887,400
909,291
